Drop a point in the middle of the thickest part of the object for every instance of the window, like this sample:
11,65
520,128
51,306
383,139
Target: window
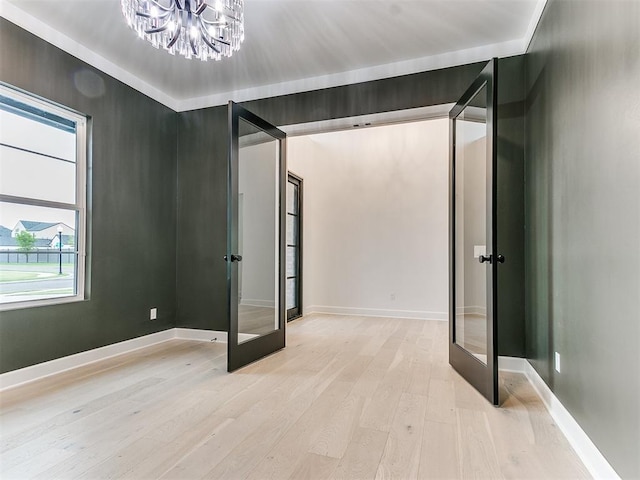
43,152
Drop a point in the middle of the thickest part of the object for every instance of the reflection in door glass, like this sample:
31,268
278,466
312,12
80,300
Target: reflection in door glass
470,227
258,230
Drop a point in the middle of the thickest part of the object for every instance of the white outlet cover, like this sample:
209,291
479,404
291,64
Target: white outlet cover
557,362
153,314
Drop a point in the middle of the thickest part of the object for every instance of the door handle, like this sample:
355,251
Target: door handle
234,258
485,258
489,258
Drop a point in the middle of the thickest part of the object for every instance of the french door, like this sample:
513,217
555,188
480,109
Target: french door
474,257
256,238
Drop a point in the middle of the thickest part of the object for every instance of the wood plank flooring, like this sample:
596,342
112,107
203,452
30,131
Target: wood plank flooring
349,398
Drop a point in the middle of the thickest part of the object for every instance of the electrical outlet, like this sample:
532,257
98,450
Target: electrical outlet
153,314
557,362
392,297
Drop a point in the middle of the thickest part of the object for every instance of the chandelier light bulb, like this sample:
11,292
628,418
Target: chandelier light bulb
205,29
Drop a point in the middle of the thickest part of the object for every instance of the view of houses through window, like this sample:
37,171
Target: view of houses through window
42,201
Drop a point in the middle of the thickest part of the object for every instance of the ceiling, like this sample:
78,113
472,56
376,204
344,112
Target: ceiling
290,45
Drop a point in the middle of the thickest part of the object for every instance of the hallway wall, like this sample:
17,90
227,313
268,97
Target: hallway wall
375,219
583,217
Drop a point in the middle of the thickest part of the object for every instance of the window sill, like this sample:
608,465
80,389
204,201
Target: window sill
45,302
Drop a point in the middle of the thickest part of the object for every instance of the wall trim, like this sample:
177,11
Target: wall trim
24,375
15,378
378,72
209,335
428,63
377,312
200,335
533,24
50,35
512,364
587,451
254,302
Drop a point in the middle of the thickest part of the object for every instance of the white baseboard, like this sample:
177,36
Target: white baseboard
512,364
209,335
41,370
376,312
589,454
200,335
471,310
59,365
249,302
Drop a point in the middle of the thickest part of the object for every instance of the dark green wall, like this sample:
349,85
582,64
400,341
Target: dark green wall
583,217
202,219
510,206
133,208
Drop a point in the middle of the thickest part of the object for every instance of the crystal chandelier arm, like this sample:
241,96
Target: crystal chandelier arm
203,6
209,43
176,34
212,23
159,6
148,15
159,29
225,11
190,28
207,36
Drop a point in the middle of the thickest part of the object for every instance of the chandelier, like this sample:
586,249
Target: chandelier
193,28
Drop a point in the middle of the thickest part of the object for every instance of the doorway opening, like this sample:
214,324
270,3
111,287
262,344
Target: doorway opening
375,214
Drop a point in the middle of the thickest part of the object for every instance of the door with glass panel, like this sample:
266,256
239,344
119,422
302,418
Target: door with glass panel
474,257
256,238
294,247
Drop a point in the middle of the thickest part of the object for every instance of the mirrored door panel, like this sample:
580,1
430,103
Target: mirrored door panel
471,226
256,238
258,232
473,256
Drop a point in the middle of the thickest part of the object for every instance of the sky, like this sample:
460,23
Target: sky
27,174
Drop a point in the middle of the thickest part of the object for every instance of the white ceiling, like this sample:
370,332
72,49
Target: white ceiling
290,45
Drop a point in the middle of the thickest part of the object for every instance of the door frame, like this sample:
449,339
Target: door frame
239,355
484,377
300,182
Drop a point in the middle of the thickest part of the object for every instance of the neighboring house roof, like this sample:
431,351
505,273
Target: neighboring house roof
37,226
4,231
66,239
12,242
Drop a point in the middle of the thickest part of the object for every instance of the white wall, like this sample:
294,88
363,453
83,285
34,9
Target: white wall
375,219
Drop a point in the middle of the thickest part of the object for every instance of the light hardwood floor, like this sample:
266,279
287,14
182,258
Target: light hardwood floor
350,397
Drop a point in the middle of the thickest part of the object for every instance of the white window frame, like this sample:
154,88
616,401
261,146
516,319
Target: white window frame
80,206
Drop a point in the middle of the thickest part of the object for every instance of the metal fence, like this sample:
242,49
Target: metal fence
36,256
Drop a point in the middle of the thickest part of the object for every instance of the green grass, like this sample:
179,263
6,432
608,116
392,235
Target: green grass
18,276
59,291
35,264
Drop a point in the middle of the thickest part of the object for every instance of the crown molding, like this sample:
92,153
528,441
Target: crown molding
50,35
432,62
379,72
533,24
